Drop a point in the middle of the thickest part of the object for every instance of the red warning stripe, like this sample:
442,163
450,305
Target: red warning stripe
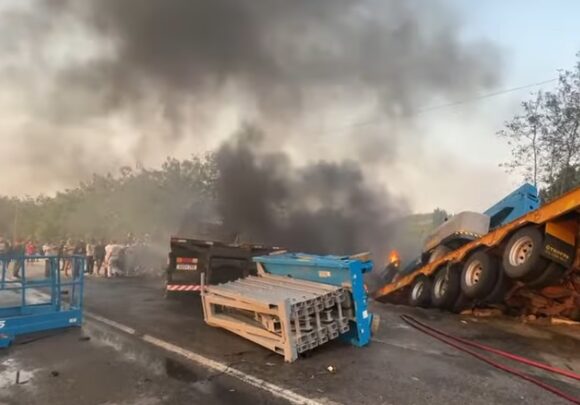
183,287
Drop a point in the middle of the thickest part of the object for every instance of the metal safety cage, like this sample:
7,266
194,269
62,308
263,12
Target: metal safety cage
35,297
342,271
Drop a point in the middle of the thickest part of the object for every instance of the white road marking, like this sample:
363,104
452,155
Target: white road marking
112,323
216,366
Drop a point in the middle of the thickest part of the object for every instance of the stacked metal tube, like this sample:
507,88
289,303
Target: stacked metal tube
286,315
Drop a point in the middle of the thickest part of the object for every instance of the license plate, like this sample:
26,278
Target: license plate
186,267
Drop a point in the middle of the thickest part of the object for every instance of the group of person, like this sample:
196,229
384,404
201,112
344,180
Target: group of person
100,257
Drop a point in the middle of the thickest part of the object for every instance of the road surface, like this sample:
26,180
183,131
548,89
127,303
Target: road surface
401,366
139,348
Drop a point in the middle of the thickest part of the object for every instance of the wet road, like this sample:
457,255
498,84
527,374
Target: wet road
401,366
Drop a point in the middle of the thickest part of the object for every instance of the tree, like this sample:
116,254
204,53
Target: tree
523,134
439,216
562,135
136,200
545,137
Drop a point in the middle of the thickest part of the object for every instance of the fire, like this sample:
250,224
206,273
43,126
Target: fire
394,258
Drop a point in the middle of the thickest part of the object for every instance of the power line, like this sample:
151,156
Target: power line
482,96
446,105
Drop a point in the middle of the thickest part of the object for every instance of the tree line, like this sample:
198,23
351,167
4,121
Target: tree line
545,137
138,201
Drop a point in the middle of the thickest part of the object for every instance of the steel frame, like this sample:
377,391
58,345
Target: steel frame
61,300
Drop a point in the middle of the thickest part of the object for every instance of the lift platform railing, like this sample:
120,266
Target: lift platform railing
35,296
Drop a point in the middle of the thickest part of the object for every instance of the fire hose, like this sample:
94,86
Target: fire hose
463,344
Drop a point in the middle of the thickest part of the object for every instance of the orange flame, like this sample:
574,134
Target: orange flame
394,257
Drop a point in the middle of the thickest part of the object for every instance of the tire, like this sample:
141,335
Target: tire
497,295
522,258
446,287
438,253
551,275
420,293
479,275
461,303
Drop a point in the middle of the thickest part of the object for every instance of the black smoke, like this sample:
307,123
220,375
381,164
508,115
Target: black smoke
276,62
322,207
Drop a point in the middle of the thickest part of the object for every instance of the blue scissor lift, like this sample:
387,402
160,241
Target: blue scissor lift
39,299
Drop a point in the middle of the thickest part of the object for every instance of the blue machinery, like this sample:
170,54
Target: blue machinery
39,299
341,271
514,205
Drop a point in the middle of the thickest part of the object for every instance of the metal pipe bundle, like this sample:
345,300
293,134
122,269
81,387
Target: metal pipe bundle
285,315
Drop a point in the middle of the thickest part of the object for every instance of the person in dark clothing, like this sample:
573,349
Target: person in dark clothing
99,256
18,251
90,254
79,250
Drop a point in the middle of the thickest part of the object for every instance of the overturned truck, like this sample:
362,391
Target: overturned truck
529,262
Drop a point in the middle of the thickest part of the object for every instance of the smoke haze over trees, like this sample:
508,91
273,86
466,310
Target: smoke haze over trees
102,84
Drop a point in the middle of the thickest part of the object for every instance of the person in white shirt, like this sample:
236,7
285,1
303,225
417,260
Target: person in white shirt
113,259
50,250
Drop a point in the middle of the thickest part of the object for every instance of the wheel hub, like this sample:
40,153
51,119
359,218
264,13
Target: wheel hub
473,273
521,251
417,291
440,287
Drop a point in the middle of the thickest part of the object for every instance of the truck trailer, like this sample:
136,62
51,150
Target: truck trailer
220,262
529,262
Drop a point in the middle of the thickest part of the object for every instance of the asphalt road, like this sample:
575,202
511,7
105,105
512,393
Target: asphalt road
401,366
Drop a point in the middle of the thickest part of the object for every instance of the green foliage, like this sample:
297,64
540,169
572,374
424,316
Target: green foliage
545,137
136,201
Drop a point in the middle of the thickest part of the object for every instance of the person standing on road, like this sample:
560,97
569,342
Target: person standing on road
90,251
30,250
61,262
80,250
99,256
4,251
113,253
50,250
68,252
18,252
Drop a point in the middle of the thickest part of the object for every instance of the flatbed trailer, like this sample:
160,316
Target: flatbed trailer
532,263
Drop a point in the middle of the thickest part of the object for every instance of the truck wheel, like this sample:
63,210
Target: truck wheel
446,287
521,257
497,295
461,303
479,275
420,294
551,275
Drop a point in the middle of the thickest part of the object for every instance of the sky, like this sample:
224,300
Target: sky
452,162
537,38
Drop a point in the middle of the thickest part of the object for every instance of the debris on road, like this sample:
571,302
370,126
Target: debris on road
483,312
294,315
563,321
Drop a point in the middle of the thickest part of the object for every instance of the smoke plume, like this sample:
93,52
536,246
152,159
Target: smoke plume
103,82
322,207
